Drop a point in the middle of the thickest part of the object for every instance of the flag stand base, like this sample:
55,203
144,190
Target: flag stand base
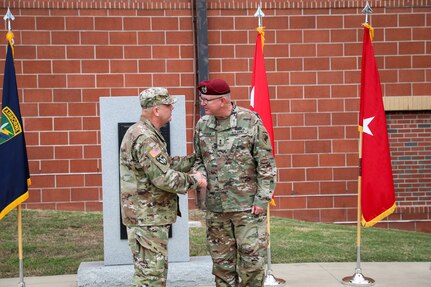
358,279
270,280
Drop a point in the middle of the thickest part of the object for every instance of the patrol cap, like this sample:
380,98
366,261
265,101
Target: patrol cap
214,87
155,96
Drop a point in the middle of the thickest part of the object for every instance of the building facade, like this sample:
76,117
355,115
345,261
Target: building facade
68,54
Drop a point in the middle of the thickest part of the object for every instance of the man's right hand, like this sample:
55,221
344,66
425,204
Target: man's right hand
202,181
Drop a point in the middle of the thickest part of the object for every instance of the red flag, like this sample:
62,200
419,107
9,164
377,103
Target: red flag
259,99
377,192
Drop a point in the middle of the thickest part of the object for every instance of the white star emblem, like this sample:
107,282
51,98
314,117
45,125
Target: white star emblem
366,129
252,97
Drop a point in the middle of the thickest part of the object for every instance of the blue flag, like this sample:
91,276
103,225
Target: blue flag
14,172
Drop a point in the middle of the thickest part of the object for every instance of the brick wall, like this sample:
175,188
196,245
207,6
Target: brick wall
70,53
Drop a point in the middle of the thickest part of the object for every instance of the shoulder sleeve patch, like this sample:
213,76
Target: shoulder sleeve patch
155,151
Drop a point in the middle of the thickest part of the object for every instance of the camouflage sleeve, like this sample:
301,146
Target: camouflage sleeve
183,163
266,169
199,163
156,166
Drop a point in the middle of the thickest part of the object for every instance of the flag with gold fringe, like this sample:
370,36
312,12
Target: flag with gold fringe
259,99
14,171
377,192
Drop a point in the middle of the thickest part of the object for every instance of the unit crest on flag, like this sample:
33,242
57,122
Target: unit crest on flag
10,125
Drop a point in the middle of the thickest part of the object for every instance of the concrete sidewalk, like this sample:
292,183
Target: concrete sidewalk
385,274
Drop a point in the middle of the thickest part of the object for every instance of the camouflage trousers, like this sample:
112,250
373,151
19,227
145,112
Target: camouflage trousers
149,246
238,243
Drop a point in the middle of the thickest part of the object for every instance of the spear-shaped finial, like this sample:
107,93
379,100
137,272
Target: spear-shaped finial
259,14
9,17
367,11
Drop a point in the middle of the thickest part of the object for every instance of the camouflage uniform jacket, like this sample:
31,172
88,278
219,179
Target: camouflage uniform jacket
235,154
150,178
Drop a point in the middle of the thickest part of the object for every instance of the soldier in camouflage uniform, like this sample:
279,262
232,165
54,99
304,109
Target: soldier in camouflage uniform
234,152
150,182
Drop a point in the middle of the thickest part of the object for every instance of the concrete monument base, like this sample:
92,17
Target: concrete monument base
196,272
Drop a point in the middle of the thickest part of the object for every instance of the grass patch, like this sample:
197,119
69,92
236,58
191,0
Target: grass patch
56,242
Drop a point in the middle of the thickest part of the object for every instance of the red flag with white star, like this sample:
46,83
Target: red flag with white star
259,100
377,187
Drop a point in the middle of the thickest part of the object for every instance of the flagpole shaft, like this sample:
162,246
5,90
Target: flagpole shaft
268,228
359,213
20,253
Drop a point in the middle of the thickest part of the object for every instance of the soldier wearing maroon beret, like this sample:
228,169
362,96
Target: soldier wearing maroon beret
233,151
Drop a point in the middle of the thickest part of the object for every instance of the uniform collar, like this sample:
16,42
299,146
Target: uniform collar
227,123
150,126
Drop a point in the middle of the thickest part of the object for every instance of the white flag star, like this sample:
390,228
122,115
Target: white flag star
366,129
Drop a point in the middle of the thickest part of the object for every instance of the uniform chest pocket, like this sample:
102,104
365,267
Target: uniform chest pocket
242,141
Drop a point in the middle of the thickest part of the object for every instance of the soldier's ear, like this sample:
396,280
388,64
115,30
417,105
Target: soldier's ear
155,111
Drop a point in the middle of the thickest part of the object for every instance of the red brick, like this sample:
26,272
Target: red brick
317,147
39,95
39,124
79,23
49,23
84,137
304,133
136,23
303,50
165,52
313,64
53,138
52,109
68,180
85,194
77,166
303,78
81,81
37,67
292,202
108,23
109,52
67,66
65,38
94,38
52,81
302,22
68,152
40,152
109,80
93,180
56,195
51,52
54,166
120,38
326,50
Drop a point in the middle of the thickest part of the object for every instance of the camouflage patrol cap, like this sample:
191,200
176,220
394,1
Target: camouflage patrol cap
155,96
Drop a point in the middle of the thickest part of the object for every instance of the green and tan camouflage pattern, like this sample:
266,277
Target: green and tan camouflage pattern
156,96
149,245
236,156
150,179
237,243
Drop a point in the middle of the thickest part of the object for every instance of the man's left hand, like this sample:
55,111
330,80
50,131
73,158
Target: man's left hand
257,210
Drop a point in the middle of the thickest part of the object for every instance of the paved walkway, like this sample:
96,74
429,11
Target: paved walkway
387,274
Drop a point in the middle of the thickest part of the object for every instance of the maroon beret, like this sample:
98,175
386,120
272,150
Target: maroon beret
214,87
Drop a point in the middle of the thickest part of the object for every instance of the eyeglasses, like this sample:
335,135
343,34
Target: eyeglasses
205,100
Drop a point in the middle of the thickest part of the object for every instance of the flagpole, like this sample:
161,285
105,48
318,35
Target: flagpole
9,17
270,279
358,279
20,253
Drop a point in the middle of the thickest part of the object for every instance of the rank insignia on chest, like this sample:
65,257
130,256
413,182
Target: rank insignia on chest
220,141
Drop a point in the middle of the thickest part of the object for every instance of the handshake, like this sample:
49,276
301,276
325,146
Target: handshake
200,178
